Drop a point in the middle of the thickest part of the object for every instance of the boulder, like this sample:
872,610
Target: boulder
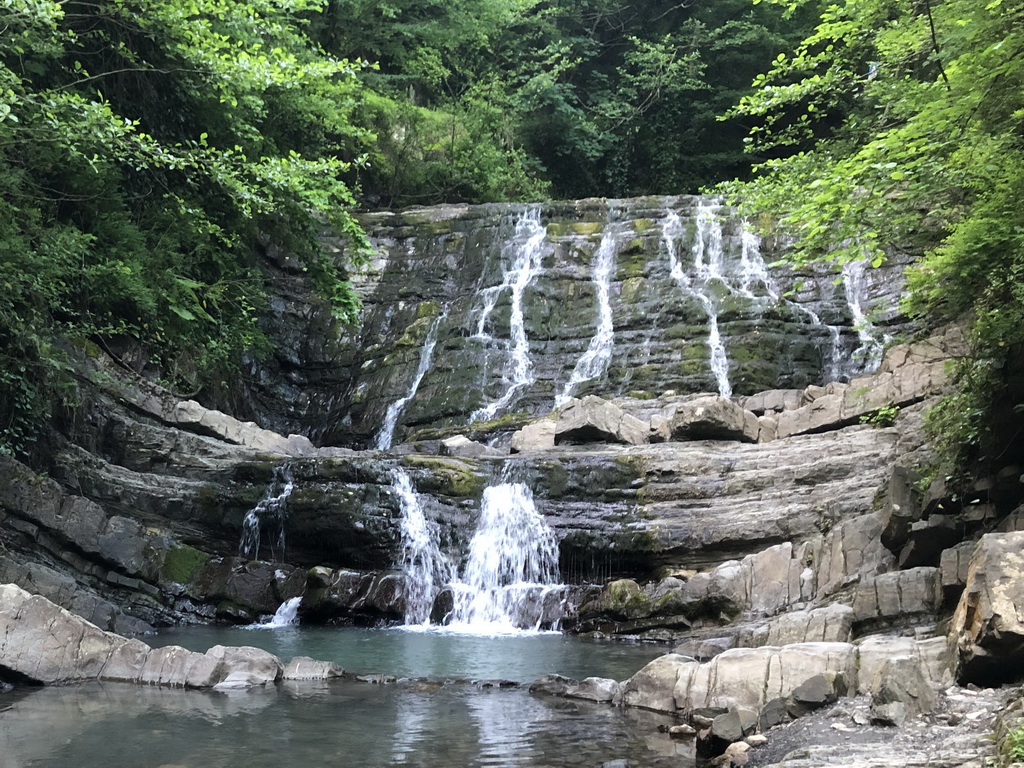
900,691
245,666
988,624
953,565
594,689
747,678
538,436
42,643
305,668
462,447
595,420
900,509
711,418
815,692
831,624
553,685
773,400
654,686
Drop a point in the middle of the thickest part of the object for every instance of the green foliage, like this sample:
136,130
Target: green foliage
1011,748
149,151
883,417
899,125
486,100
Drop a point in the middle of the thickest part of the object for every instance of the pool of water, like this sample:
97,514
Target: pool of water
430,718
430,654
347,724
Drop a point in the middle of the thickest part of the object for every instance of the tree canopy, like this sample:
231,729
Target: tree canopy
148,150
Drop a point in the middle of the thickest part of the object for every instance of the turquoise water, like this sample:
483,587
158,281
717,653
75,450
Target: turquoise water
432,723
431,654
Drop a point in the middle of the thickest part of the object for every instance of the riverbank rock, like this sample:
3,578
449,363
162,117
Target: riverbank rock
305,668
42,643
988,625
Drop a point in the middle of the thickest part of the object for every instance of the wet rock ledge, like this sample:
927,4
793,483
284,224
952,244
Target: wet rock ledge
43,644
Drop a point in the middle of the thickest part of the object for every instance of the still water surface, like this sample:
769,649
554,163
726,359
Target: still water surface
432,654
346,723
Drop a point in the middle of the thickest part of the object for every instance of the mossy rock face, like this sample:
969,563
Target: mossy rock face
633,289
428,309
182,564
446,476
475,431
587,228
415,333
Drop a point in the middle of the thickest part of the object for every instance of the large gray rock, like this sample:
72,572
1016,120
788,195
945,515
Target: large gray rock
909,373
900,691
988,624
42,643
305,668
737,679
538,436
594,420
594,689
711,418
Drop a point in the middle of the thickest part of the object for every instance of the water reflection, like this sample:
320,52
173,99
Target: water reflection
430,654
336,724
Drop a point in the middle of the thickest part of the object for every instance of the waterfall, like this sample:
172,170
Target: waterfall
270,513
512,567
509,582
708,243
527,249
386,436
595,360
287,615
855,288
425,567
753,270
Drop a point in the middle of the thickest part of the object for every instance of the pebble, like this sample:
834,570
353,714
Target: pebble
756,740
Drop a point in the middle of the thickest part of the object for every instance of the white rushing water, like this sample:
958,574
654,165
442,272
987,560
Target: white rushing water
753,270
386,436
287,615
509,582
707,266
869,352
526,250
425,567
270,513
512,568
595,360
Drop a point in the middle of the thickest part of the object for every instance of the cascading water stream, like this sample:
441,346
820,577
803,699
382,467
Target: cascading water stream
271,513
753,270
386,436
425,567
708,243
509,582
855,288
512,567
287,615
595,360
527,246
